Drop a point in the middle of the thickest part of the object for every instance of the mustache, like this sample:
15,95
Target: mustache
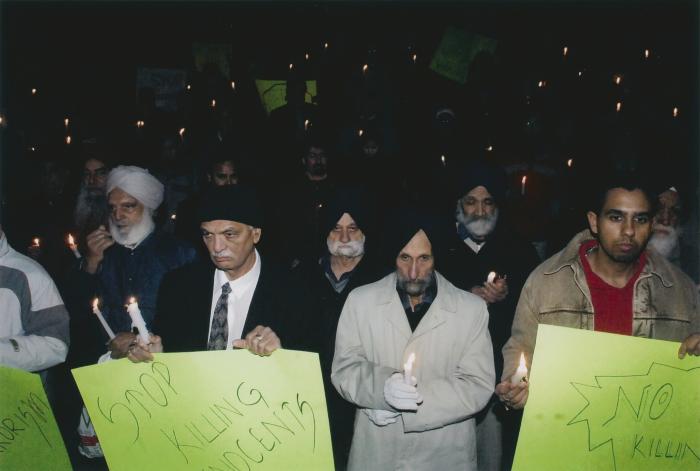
222,253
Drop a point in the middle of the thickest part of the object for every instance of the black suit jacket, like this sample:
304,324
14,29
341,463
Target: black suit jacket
184,307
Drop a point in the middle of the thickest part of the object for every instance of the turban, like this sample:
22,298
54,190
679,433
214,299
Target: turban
354,201
138,183
488,175
231,203
405,223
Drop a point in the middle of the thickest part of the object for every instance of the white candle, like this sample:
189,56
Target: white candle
521,372
408,369
73,246
491,277
137,320
105,326
522,185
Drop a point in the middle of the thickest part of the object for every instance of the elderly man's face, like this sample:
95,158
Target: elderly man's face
346,239
95,174
231,246
667,230
125,210
479,213
415,264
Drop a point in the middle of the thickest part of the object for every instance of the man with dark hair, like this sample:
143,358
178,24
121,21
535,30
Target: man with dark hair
606,280
91,205
490,261
222,170
421,419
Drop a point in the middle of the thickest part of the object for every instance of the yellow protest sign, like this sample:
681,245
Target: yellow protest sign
29,436
609,402
218,410
273,93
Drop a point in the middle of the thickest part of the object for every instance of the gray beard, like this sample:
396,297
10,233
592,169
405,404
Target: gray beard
91,210
414,287
353,248
665,244
134,235
477,227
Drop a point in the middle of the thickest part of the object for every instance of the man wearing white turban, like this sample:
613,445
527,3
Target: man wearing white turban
129,258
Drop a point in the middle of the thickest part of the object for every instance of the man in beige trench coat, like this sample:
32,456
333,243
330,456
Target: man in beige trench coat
421,420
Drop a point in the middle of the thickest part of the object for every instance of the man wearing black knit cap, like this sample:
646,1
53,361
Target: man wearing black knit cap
235,301
414,413
490,261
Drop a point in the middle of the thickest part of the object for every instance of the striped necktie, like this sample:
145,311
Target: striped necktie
218,336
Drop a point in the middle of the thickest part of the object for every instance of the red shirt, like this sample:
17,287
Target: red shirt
612,305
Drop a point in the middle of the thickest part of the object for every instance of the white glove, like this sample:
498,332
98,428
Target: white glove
381,417
399,395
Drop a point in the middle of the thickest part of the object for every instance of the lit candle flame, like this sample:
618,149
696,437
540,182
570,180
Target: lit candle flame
71,241
415,57
140,124
360,132
522,184
213,103
569,163
95,303
306,56
580,74
491,276
173,216
33,91
68,140
675,112
566,51
521,373
2,120
325,45
36,242
188,87
617,79
541,83
181,132
618,106
364,68
442,159
132,300
306,124
489,148
66,122
32,148
233,85
291,66
646,53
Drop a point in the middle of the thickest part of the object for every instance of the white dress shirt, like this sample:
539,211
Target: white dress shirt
475,246
239,299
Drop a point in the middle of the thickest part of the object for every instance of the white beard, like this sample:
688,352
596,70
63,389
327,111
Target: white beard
134,235
664,243
353,248
478,227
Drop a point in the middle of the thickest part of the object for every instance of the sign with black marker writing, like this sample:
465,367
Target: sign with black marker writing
29,436
219,410
609,402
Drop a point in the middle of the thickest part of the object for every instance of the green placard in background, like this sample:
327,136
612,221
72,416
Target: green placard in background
456,52
228,410
609,402
29,436
273,93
